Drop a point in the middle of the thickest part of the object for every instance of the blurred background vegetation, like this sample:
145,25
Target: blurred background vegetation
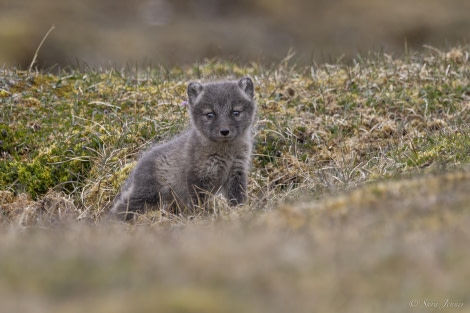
145,32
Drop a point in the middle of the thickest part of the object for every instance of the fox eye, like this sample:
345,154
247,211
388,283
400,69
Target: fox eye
236,113
210,115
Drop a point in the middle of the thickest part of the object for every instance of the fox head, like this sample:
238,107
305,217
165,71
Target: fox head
222,111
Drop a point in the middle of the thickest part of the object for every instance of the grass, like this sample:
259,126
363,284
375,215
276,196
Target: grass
358,191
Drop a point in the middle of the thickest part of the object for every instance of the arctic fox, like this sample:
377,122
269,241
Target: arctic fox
212,156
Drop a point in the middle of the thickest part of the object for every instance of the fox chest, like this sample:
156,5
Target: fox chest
214,170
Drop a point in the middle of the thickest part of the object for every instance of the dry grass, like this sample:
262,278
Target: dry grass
358,193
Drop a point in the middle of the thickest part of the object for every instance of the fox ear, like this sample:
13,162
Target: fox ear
194,90
246,84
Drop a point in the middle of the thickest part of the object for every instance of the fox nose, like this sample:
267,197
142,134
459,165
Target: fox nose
224,132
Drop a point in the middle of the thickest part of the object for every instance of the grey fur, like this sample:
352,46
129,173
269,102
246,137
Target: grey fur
212,156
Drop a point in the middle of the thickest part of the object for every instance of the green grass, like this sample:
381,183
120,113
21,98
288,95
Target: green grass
358,192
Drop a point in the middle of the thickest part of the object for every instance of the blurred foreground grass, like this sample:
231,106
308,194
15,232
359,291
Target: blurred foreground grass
359,195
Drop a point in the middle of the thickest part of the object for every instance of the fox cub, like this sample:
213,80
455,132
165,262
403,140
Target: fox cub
212,156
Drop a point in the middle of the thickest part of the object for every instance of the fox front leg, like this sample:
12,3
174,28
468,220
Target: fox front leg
236,186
